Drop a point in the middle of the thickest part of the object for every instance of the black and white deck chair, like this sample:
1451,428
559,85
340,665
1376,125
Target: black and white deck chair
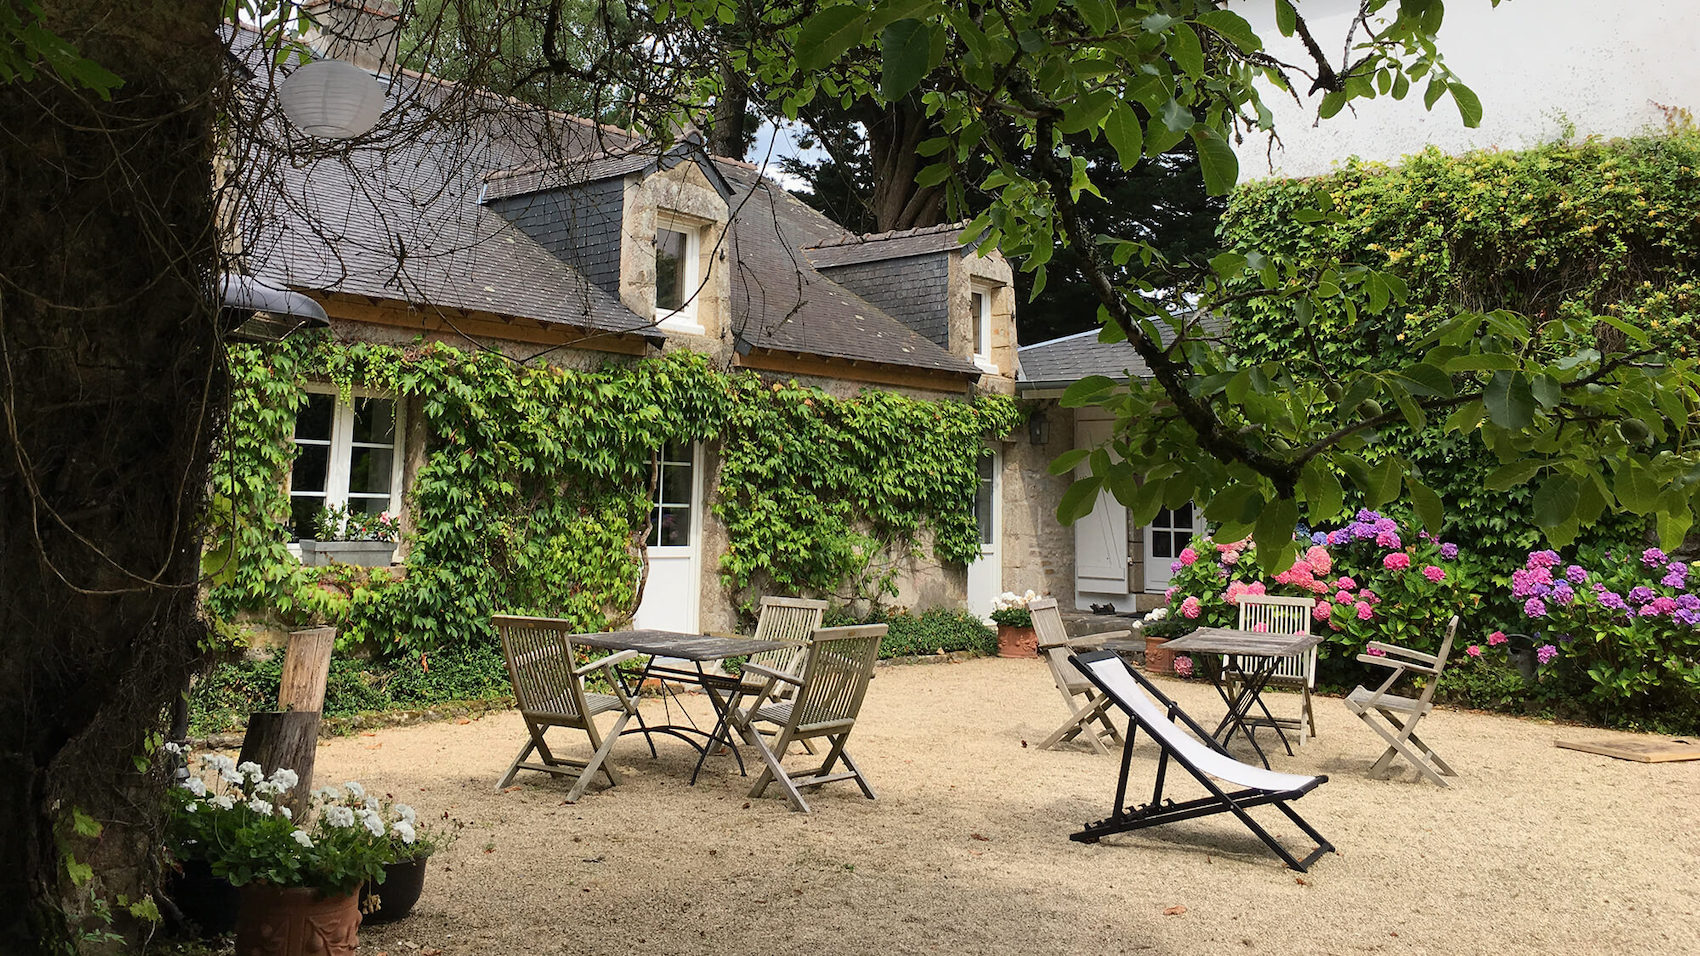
1163,720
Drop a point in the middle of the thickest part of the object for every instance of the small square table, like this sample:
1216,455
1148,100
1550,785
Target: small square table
698,649
1243,662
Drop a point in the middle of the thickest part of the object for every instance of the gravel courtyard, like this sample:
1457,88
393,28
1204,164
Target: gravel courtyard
1533,850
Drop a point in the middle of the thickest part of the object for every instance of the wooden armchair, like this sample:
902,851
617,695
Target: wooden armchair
1395,718
1271,614
1088,715
549,686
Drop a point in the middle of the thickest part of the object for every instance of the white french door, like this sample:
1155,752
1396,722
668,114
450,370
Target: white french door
1165,538
985,576
672,596
1100,538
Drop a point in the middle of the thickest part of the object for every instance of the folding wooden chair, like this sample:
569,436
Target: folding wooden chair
790,623
1271,614
1395,718
1088,717
826,700
1200,755
549,686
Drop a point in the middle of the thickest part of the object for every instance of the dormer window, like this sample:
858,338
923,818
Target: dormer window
980,320
678,274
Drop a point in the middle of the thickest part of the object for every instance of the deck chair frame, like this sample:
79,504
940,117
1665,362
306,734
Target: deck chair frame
1089,717
1168,725
825,705
1395,718
548,686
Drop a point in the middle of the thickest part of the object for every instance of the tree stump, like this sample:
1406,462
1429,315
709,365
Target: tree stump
284,739
306,667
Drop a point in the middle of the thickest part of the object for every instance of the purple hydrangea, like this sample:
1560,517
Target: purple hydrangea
1674,580
1543,559
1653,557
1640,594
1319,538
1690,618
1174,567
1535,607
1613,601
1545,653
1449,551
1688,602
1562,593
1576,574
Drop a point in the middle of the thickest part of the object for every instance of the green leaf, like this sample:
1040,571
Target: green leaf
1123,131
1227,265
83,824
1078,501
1066,462
1087,391
1183,47
1100,15
1469,107
1426,504
1513,474
1216,160
1232,27
1233,504
905,48
1286,18
1556,500
1510,403
1673,528
1176,117
1274,534
1384,483
1324,496
828,34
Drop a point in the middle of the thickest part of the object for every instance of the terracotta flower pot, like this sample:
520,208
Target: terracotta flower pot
296,921
1017,641
1158,659
403,882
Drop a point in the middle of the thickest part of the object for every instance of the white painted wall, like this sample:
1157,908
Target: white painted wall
1533,63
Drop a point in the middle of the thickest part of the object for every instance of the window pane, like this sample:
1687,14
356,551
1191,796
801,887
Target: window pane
302,510
369,470
674,527
983,511
1183,516
670,272
368,506
1160,547
312,464
314,420
1182,539
977,312
675,485
374,420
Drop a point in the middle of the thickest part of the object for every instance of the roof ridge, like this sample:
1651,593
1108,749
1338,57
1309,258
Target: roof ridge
871,237
1061,338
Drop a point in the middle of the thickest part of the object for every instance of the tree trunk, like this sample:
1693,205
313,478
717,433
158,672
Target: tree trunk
726,135
895,131
288,739
112,385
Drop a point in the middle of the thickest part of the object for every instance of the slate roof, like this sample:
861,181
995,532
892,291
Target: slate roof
851,248
780,301
1063,361
643,158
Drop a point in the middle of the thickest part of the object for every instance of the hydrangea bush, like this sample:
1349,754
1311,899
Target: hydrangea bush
1371,582
1620,630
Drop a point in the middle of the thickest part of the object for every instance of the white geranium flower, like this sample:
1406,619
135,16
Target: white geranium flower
302,838
195,785
1029,597
288,814
261,807
218,762
191,807
223,801
406,813
355,790
284,779
340,817
327,793
172,747
404,830
266,788
373,822
250,770
230,775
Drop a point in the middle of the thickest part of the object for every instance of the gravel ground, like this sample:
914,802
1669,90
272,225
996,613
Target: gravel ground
1533,850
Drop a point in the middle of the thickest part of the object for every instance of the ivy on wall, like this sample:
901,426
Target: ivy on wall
1609,228
535,493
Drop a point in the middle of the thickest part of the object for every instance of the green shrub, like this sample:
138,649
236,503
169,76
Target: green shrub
940,629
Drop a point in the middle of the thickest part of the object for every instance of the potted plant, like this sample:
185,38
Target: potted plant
1158,628
297,881
411,844
1015,625
351,537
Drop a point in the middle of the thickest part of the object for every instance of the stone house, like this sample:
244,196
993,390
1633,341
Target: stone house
604,248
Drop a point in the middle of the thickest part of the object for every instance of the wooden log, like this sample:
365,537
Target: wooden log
284,739
306,668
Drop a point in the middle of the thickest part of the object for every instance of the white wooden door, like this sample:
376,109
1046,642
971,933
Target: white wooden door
985,576
672,596
1167,536
1100,538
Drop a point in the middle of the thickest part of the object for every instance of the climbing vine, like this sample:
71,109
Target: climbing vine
535,491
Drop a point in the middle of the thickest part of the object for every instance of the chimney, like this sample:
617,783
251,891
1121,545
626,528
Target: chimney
362,32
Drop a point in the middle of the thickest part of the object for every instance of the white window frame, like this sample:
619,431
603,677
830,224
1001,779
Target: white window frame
983,322
342,449
1158,581
684,318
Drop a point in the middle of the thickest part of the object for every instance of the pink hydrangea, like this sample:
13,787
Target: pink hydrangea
1188,557
1397,561
1474,650
1434,574
1321,610
1318,587
1365,612
1367,595
1545,653
1346,584
1260,628
1497,638
1388,539
1377,652
1190,608
1256,587
1319,560
1342,597
1230,557
1183,666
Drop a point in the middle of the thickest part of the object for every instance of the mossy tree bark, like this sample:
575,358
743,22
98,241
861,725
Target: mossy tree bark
113,386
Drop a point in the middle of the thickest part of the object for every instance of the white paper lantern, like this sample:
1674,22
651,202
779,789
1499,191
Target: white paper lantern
332,98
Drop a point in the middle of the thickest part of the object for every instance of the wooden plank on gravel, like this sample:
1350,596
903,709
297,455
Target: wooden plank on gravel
1643,751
